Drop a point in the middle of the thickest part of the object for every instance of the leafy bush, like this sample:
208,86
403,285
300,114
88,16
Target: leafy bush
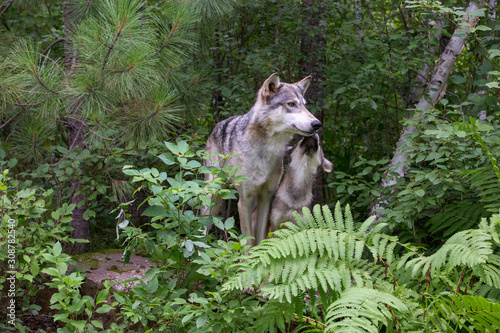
74,310
184,290
36,228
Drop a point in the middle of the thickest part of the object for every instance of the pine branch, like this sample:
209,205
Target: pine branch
113,43
167,40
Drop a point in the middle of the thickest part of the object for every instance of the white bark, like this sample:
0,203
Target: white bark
423,74
435,91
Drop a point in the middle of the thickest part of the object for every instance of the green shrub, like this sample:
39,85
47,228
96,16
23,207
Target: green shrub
29,230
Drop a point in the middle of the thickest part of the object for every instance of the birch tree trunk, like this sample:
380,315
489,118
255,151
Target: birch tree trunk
423,74
435,91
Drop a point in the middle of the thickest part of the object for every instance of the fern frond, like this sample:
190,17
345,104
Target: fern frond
486,182
349,221
339,219
314,254
273,315
363,310
489,273
465,312
456,217
469,248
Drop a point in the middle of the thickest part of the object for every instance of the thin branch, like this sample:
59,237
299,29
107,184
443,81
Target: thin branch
33,70
11,118
112,46
84,124
43,84
69,150
7,5
52,44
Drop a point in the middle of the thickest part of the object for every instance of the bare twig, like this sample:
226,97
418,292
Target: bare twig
84,124
52,44
11,118
7,5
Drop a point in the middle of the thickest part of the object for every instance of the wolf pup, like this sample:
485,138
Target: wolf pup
295,191
260,138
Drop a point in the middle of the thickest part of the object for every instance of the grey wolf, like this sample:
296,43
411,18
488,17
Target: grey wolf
260,138
295,191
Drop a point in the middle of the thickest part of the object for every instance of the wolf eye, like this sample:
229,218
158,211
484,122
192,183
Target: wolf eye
291,104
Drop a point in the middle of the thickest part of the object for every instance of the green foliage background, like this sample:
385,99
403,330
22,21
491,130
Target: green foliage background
146,81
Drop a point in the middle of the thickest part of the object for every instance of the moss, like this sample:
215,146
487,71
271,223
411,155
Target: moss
114,268
90,260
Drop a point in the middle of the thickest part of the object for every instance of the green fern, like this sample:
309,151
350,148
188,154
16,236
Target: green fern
321,251
476,249
456,217
363,310
486,182
365,285
469,248
470,313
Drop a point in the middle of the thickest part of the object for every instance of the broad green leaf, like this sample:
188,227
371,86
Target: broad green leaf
57,249
172,147
182,147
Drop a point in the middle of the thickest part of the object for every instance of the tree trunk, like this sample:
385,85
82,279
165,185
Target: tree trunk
76,139
435,91
313,48
423,74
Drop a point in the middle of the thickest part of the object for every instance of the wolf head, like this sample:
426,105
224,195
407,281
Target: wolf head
281,107
308,155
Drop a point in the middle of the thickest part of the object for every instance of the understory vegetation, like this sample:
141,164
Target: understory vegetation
105,108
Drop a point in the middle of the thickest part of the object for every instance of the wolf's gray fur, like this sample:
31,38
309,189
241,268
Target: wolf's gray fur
260,137
295,191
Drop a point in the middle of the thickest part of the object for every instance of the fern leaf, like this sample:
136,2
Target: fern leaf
320,221
349,221
486,182
339,219
327,213
461,311
367,224
469,248
307,257
456,217
362,310
301,224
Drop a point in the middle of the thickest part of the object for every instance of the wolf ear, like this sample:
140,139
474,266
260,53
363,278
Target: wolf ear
304,84
270,87
327,165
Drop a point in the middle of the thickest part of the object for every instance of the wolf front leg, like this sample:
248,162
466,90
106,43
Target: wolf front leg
245,208
263,206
